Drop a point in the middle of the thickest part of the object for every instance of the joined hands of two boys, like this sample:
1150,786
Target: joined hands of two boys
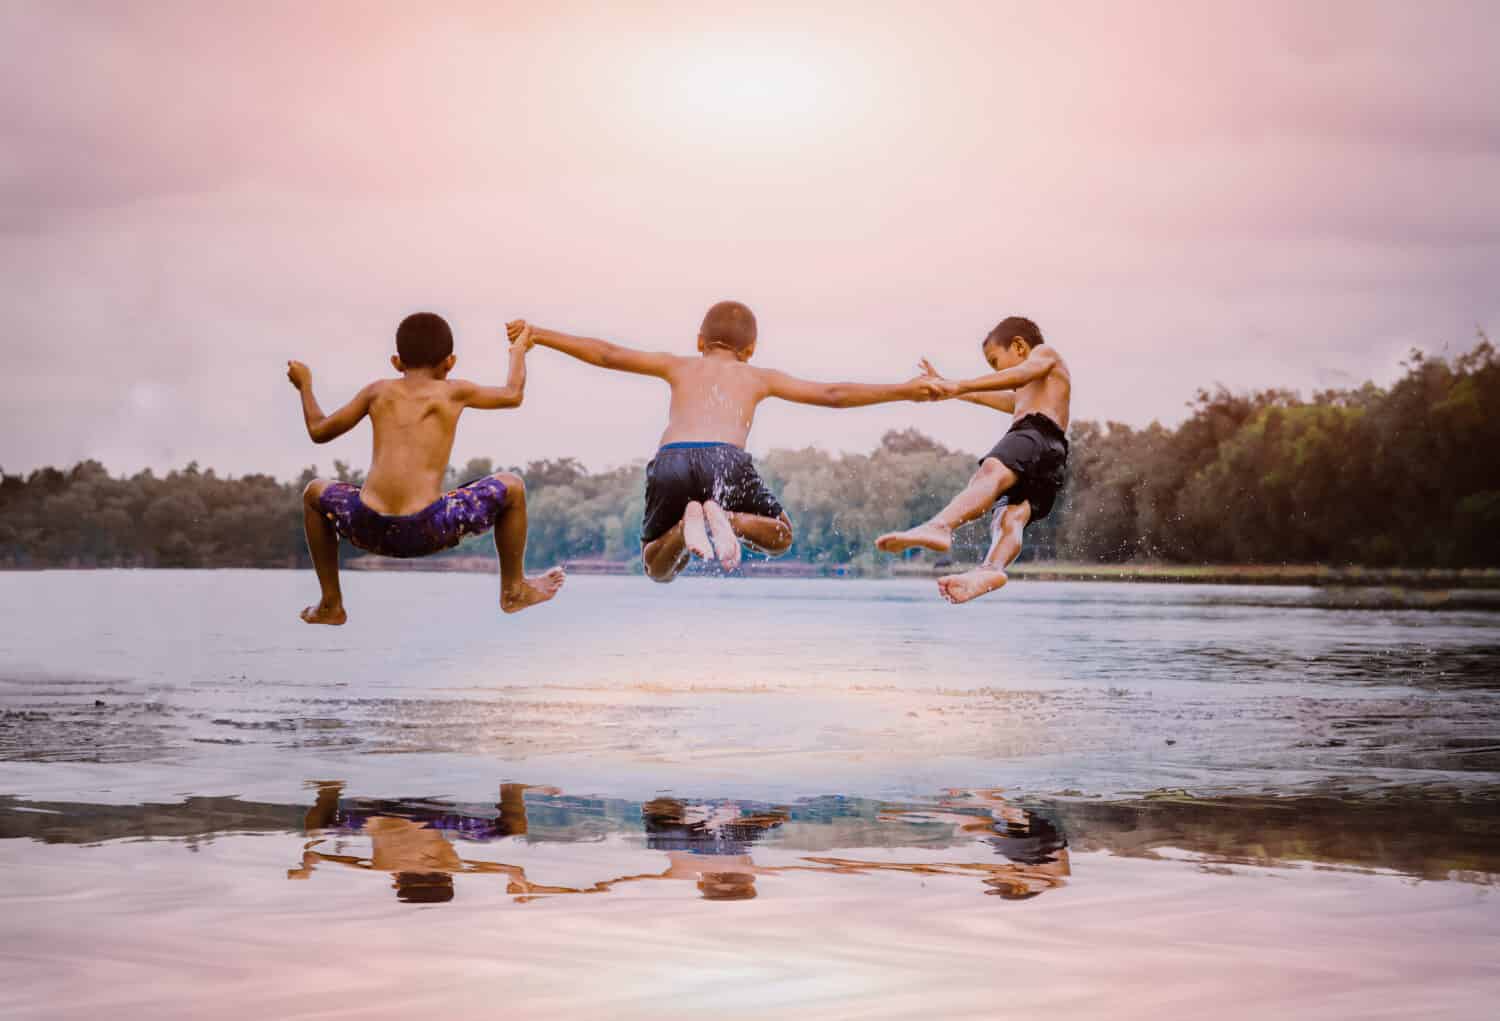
518,331
940,386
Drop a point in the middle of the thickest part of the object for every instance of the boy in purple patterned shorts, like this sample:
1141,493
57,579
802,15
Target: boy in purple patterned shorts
400,511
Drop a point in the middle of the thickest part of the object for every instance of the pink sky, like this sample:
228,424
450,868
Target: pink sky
1180,194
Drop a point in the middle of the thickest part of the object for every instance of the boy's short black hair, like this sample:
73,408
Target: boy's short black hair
729,324
424,887
423,339
1015,326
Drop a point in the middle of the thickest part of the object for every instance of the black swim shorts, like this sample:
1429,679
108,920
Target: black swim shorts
682,473
1036,449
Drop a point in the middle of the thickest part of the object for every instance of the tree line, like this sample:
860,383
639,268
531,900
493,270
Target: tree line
1404,475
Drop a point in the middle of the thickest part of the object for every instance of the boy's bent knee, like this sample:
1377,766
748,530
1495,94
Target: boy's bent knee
313,491
659,572
780,541
515,486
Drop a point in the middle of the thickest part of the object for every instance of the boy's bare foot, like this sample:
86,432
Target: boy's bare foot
324,613
929,536
532,591
726,543
960,588
695,532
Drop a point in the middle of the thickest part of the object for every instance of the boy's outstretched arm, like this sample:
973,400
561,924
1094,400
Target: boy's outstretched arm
998,400
1038,363
606,355
490,398
846,395
321,427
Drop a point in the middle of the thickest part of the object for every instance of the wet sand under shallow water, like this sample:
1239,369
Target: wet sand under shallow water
1214,799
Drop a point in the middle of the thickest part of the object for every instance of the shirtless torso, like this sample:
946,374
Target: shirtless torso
414,421
1049,394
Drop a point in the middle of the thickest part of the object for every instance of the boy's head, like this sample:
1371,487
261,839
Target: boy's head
1010,342
424,341
729,325
423,887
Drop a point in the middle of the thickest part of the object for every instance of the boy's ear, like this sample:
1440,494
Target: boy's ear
448,363
747,352
700,343
396,363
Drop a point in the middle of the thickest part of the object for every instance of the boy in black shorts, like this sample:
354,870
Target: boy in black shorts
703,495
1021,476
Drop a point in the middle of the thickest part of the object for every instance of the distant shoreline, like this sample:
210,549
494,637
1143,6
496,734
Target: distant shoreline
1433,580
1311,575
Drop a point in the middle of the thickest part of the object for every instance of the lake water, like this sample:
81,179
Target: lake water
751,798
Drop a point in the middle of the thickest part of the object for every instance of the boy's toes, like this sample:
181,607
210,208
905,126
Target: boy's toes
729,552
532,591
318,614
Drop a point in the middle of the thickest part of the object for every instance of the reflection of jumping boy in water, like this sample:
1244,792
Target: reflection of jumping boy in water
1021,476
712,850
400,511
416,851
702,491
707,844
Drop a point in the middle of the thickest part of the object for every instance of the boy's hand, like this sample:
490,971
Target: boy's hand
944,389
299,374
924,388
518,331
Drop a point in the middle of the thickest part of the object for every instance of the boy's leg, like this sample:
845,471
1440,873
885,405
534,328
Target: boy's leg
771,536
665,556
725,537
323,544
517,591
757,517
1009,526
695,531
992,479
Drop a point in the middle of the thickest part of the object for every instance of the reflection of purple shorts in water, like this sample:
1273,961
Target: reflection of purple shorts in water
470,827
468,510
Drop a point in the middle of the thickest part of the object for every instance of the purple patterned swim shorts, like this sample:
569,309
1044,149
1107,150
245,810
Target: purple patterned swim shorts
468,510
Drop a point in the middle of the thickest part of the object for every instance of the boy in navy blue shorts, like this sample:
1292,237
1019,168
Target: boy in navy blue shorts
1020,478
703,495
401,510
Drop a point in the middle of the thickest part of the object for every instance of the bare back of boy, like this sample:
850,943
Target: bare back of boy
414,422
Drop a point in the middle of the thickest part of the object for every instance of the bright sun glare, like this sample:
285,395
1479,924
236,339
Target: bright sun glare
750,86
736,83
